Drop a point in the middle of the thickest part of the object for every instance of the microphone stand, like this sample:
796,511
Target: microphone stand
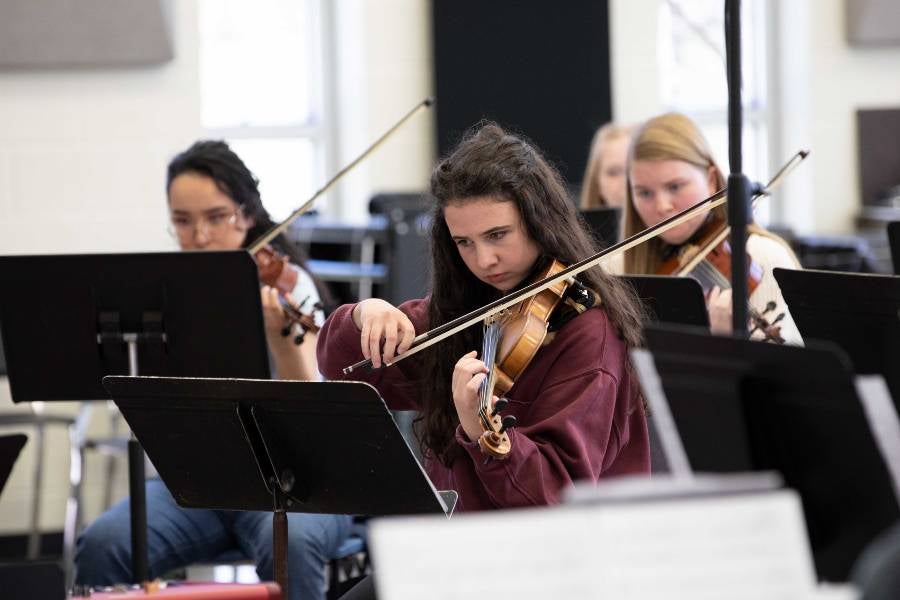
739,215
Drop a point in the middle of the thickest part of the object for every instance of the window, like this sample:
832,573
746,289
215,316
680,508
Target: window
262,91
693,68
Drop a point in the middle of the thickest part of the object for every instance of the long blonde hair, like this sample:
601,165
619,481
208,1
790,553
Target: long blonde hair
671,136
591,197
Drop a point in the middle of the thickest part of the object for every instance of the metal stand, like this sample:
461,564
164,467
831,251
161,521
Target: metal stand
280,533
136,476
738,185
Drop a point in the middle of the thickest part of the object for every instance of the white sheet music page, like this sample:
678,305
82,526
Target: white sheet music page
736,547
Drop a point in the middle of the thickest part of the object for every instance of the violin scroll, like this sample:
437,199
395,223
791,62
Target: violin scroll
296,318
770,330
495,441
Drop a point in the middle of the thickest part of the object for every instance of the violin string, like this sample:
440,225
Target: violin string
488,355
708,276
712,275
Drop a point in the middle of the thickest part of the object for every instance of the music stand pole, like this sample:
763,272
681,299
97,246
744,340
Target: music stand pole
738,185
136,475
280,531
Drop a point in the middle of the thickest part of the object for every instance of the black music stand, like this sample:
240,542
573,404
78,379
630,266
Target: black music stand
285,446
859,312
671,299
604,223
893,229
741,405
68,320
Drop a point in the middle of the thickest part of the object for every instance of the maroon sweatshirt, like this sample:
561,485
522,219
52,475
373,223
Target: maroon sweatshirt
578,414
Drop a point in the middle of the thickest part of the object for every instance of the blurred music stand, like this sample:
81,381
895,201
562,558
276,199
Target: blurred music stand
671,299
68,320
894,240
858,312
286,446
741,405
604,224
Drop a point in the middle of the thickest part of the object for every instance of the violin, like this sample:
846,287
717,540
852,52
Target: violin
276,271
707,258
511,340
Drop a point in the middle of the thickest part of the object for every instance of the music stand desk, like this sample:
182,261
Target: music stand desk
195,313
671,299
741,405
857,311
604,224
287,446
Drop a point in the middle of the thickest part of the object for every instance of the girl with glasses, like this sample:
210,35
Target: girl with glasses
214,204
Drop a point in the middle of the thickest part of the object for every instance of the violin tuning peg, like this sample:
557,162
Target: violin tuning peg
770,305
286,331
299,339
508,422
499,405
778,318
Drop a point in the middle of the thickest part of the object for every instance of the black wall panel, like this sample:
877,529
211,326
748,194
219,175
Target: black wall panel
539,67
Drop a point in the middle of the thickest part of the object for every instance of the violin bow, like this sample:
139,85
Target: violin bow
274,231
433,336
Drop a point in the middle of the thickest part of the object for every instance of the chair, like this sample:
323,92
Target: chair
36,419
347,567
350,563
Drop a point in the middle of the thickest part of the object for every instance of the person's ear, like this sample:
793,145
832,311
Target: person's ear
712,179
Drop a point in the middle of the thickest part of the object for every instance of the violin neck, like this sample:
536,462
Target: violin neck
488,357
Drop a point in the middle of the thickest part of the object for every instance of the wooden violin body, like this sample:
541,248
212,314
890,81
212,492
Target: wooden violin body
276,271
708,259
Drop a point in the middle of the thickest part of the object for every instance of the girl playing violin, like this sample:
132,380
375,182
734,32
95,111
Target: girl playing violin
670,168
214,204
501,214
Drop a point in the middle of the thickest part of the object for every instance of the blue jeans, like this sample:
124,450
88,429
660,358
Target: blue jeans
178,536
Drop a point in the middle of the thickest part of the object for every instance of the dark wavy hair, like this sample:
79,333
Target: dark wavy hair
506,167
216,160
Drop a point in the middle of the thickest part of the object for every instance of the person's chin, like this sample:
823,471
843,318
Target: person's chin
675,240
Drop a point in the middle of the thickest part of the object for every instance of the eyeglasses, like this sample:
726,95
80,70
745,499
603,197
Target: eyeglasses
214,225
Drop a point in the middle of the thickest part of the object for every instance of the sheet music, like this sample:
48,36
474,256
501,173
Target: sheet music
752,546
666,486
882,417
